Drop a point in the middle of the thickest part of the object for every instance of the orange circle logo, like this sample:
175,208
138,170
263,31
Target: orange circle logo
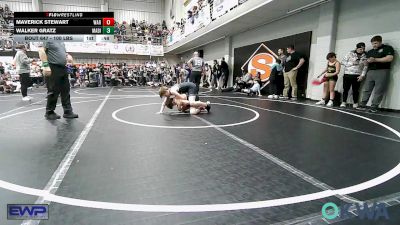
262,63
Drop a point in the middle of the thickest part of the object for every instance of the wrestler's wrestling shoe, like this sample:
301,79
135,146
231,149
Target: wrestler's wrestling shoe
208,106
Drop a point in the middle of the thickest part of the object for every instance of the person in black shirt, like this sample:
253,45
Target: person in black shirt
102,77
279,78
379,63
294,61
54,59
216,73
1,69
224,73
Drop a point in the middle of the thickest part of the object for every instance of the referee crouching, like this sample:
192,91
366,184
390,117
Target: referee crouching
54,59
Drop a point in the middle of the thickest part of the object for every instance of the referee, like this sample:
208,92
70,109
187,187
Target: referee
54,60
197,66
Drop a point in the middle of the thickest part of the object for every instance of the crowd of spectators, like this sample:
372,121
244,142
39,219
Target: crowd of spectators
6,25
360,66
141,32
149,73
371,67
137,32
10,80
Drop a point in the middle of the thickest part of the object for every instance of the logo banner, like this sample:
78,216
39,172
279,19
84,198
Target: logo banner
222,6
110,48
259,57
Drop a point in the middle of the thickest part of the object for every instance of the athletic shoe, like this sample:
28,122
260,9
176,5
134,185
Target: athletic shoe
270,96
330,103
276,96
208,106
373,110
70,115
355,105
361,108
322,102
52,116
343,105
26,98
284,97
30,97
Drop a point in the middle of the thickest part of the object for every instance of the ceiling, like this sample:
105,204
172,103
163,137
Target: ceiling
245,17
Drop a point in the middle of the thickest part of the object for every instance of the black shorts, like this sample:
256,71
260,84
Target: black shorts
334,78
195,77
189,88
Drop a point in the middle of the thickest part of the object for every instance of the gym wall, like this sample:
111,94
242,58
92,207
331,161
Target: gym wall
356,21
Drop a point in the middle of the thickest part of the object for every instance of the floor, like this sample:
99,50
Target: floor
121,163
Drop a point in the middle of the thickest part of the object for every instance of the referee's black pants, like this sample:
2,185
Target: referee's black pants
58,84
195,78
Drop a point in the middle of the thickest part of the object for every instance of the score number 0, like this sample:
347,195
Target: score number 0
108,22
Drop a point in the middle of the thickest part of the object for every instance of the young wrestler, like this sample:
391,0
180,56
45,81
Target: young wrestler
178,93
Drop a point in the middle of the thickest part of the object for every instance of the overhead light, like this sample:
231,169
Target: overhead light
311,5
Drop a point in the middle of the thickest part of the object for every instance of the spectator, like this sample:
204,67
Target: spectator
256,88
279,78
224,73
206,76
293,62
23,69
273,78
331,76
379,63
216,75
72,75
1,69
355,68
243,82
190,17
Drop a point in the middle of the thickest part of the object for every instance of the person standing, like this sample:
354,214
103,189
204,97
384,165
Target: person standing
54,60
273,78
196,65
279,78
331,76
355,68
216,71
379,60
23,69
1,69
224,73
71,75
294,61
